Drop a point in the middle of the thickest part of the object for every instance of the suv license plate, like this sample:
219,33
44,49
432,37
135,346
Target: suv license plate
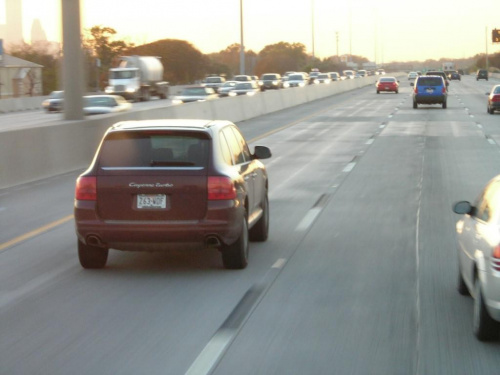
151,201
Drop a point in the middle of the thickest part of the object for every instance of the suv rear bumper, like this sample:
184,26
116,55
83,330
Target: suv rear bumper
429,99
222,221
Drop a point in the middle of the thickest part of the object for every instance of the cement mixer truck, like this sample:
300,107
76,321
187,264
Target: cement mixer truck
137,78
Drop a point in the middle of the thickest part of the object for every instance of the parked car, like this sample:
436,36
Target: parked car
54,103
214,82
271,81
101,104
156,185
478,239
494,99
387,84
481,74
245,88
429,90
226,88
195,94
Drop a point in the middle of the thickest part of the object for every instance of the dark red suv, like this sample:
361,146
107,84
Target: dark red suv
160,184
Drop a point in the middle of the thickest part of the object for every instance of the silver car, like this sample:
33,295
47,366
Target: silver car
478,245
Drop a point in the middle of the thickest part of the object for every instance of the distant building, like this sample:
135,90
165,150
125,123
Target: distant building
12,31
19,77
37,32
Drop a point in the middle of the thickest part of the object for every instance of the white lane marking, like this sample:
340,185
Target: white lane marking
471,116
382,126
370,141
279,263
308,219
212,353
349,167
491,141
479,126
3,209
390,116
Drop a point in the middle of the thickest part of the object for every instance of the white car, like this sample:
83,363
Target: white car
412,76
101,104
478,245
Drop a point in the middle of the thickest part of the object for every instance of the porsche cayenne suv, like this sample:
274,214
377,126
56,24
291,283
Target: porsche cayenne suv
160,184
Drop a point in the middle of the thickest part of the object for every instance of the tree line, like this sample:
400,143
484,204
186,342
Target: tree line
183,63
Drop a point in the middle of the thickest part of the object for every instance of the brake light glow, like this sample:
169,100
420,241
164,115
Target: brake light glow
86,188
443,90
496,98
495,258
221,188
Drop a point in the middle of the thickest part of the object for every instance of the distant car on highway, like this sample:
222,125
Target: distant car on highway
429,90
380,72
334,76
323,78
349,74
101,104
412,76
454,76
271,81
156,185
242,78
54,103
245,88
478,249
387,84
214,82
439,73
494,99
482,74
226,88
195,94
297,80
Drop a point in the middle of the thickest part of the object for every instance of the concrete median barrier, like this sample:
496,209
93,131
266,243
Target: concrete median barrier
28,155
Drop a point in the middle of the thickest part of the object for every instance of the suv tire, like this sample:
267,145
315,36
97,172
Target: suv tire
260,230
235,256
444,105
92,257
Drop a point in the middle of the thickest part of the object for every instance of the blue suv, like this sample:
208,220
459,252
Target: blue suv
429,90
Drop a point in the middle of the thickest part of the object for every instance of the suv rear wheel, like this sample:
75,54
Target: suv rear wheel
92,256
260,230
235,256
485,328
444,105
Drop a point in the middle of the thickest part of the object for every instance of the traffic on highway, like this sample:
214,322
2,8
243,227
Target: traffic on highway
358,272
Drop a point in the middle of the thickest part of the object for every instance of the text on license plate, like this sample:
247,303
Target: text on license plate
151,201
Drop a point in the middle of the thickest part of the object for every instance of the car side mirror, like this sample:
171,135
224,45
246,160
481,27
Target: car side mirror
463,207
262,152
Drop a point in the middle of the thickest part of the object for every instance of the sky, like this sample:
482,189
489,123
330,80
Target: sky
380,30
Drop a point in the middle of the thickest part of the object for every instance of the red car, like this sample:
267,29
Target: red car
494,99
387,84
160,184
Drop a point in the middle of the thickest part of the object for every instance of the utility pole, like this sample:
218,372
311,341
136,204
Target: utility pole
337,37
242,46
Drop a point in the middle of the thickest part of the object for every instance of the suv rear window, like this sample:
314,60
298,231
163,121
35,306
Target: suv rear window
154,149
430,81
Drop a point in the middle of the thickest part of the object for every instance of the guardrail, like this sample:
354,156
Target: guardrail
27,155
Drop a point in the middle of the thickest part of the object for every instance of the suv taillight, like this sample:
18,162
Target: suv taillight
443,90
86,188
496,98
220,188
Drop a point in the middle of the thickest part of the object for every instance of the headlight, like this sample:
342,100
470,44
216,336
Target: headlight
108,89
176,101
130,90
251,93
232,93
301,84
275,82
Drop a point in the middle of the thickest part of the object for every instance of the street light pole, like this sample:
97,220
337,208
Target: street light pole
242,46
312,26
